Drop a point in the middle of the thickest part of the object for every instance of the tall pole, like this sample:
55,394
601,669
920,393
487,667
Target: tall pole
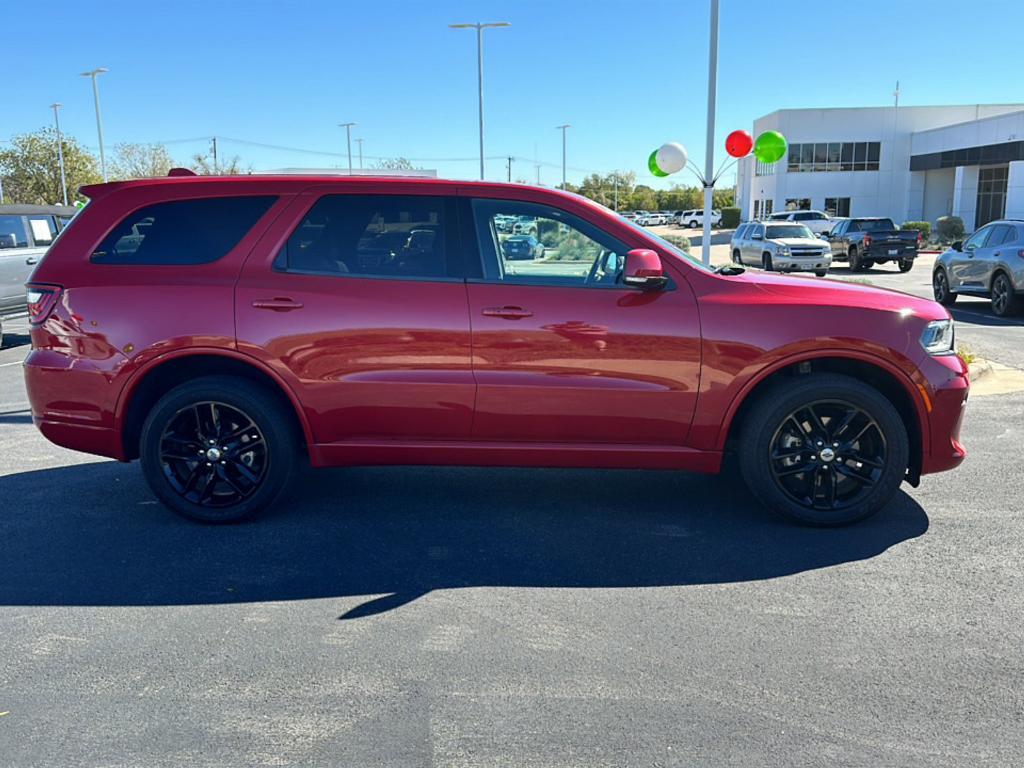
709,153
360,143
563,128
479,27
99,121
615,178
348,141
510,168
60,151
213,143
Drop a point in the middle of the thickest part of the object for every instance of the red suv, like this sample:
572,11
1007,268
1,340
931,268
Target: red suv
221,330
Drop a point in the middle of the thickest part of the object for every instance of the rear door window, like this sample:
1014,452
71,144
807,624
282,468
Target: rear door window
43,228
13,233
185,232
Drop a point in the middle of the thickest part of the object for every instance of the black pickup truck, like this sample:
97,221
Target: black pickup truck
866,242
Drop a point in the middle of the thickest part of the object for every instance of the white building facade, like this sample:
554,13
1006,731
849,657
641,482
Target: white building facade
908,163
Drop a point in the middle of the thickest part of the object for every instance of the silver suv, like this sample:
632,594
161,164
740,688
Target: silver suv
989,263
782,247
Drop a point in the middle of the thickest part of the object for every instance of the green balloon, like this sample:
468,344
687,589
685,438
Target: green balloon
652,164
770,147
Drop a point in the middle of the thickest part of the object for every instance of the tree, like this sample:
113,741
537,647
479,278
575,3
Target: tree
31,170
643,199
232,166
140,161
394,164
602,189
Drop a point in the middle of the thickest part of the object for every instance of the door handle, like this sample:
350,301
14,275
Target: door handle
32,260
509,313
997,254
278,304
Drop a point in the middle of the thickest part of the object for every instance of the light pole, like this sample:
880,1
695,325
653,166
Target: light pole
709,156
348,140
562,129
360,143
60,151
99,122
480,72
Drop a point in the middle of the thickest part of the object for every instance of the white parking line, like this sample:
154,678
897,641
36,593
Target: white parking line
16,362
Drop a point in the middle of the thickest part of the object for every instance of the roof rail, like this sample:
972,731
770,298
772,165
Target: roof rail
181,172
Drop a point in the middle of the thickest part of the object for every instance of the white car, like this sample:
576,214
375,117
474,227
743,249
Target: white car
695,218
649,219
780,246
816,221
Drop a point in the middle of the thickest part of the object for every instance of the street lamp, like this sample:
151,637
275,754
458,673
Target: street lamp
60,151
348,140
480,72
99,122
562,129
360,143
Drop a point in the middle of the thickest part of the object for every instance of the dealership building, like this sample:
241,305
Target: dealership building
909,163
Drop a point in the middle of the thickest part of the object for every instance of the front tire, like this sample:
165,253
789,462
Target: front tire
218,449
766,262
941,290
736,256
823,449
821,272
855,263
693,224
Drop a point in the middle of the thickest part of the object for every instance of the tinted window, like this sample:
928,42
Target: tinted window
12,232
999,235
977,240
372,236
570,252
182,232
875,225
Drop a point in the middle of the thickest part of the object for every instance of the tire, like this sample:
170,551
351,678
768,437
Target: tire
736,256
855,262
858,490
225,493
905,265
821,272
1005,302
941,290
766,262
693,224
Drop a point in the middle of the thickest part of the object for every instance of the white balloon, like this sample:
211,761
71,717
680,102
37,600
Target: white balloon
671,157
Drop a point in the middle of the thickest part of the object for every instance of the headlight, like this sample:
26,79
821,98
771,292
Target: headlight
782,250
937,338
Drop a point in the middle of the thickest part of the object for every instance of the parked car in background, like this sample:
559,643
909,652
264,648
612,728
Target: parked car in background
26,232
649,218
780,247
864,242
322,326
816,221
525,225
629,215
695,218
989,263
522,247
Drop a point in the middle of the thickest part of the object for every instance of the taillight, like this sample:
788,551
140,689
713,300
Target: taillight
41,301
867,241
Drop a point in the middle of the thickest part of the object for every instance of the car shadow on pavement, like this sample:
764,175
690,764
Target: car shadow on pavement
91,534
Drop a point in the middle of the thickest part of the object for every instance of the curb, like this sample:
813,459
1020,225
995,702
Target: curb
977,369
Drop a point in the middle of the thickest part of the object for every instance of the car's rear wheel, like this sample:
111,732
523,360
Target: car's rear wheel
1004,300
940,288
906,265
694,224
824,449
736,256
218,449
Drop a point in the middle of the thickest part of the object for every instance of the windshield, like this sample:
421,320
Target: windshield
778,231
675,250
875,225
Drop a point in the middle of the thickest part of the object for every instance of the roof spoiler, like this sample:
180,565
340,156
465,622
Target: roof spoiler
181,172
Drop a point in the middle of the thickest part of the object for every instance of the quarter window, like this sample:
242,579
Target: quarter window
569,251
196,231
43,229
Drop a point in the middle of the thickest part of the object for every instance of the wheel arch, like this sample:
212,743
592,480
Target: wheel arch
160,375
895,385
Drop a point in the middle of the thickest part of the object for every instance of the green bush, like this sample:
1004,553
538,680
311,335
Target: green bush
730,218
680,242
950,228
924,227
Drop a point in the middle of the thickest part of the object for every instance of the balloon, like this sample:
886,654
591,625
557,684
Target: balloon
770,147
739,143
671,157
652,165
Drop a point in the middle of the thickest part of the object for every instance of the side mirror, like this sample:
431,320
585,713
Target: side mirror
824,235
644,270
958,245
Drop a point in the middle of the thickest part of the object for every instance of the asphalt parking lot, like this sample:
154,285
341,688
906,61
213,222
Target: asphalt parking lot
479,617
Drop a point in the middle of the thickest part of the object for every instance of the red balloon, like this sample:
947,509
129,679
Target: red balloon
739,143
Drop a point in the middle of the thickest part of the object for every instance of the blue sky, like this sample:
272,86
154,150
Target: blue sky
627,75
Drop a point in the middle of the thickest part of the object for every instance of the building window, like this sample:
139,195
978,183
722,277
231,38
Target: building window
798,204
757,209
834,156
768,205
837,206
991,204
764,169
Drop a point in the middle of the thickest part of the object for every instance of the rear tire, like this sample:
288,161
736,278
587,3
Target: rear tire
1005,302
693,224
906,265
802,458
736,256
941,290
218,449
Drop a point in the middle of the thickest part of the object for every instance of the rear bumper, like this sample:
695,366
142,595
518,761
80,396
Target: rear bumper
948,402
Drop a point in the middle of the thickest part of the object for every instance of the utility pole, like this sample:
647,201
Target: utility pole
99,122
60,151
563,128
537,167
480,73
510,159
615,179
360,143
709,154
213,150
348,141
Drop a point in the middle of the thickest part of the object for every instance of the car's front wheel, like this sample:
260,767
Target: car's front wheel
218,449
823,449
940,288
694,224
766,262
736,256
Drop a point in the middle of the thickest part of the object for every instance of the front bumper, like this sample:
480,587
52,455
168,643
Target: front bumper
945,405
802,264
